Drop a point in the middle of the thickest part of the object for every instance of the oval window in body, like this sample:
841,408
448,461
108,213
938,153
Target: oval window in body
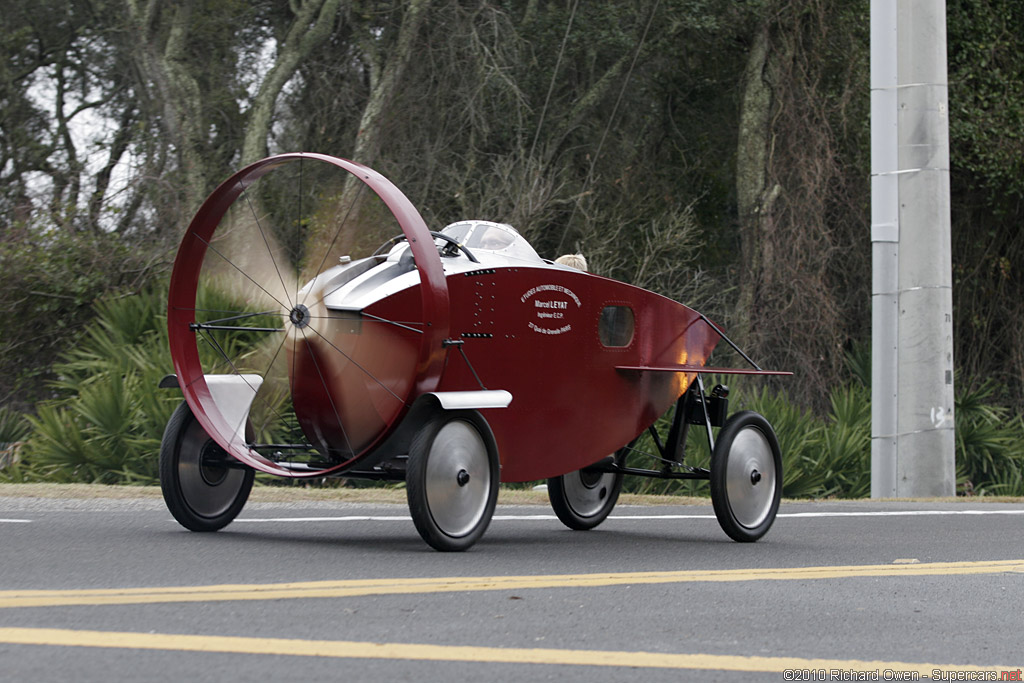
616,325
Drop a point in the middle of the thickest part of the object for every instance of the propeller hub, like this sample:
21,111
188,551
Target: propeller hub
299,316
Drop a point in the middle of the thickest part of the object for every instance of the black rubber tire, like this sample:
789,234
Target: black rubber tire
202,494
452,480
746,476
583,500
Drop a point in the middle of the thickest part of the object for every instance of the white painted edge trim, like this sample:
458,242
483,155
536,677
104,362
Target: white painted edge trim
463,400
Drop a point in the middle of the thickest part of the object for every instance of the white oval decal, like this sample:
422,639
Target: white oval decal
551,305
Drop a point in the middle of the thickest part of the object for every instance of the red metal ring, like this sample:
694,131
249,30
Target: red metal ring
181,302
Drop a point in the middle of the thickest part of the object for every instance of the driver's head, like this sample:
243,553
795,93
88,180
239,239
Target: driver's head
494,238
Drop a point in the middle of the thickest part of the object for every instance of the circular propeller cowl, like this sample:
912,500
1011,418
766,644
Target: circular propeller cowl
271,374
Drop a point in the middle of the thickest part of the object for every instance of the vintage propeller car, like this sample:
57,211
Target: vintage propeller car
451,360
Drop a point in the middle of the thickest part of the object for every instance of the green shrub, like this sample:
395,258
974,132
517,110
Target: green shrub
107,419
14,428
800,435
847,443
51,281
989,444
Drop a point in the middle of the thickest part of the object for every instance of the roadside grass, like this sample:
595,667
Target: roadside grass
396,495
299,494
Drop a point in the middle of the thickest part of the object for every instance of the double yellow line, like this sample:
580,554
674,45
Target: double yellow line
399,586
457,653
454,653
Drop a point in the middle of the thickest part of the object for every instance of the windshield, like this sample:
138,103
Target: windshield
482,234
499,238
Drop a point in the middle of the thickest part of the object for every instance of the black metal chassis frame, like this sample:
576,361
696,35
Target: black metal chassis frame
695,407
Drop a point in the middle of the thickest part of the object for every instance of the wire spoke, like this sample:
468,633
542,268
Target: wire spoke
337,233
240,316
330,397
350,359
244,274
403,325
298,233
270,250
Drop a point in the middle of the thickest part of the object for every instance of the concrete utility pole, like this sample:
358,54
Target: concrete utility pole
912,437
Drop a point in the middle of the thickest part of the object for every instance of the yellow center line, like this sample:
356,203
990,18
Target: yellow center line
452,653
403,586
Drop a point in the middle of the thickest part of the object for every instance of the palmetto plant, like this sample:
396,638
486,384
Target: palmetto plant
13,430
989,443
13,427
847,443
107,421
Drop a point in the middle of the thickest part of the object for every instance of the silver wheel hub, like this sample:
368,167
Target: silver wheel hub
750,477
586,492
458,478
208,486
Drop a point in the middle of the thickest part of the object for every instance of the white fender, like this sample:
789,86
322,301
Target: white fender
465,400
233,396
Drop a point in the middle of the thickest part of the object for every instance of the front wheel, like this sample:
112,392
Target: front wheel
452,480
746,476
203,486
583,499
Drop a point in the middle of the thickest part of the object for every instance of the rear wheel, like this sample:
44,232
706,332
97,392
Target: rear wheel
746,476
203,486
583,499
452,480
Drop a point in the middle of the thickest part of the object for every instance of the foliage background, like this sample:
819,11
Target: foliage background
711,150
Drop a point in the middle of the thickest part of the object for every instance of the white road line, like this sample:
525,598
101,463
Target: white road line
550,517
903,513
534,518
876,513
350,518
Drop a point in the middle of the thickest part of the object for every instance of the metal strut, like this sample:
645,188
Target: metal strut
458,343
695,406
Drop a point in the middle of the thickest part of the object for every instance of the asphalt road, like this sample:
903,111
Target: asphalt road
101,590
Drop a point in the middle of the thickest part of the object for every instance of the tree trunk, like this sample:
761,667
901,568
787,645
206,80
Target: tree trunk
312,26
754,198
174,89
388,66
386,78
